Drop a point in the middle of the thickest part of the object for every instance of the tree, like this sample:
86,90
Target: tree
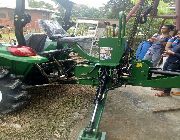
85,11
79,11
113,7
40,4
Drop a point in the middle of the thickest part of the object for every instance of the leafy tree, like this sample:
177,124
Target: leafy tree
164,8
85,11
79,11
40,4
113,7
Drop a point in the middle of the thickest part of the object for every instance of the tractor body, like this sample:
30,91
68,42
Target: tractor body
46,58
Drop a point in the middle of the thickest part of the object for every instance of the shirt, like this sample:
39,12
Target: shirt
158,44
175,41
176,56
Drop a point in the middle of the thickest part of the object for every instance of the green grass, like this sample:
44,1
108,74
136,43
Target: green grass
7,37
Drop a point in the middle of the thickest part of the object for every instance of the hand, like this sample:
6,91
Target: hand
169,52
164,55
152,39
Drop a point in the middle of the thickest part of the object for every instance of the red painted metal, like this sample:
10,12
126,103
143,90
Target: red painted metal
134,9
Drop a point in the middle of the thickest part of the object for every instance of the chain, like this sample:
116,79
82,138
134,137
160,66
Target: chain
103,78
135,25
129,52
153,11
101,89
148,28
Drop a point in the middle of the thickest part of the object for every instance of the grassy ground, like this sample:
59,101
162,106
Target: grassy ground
7,37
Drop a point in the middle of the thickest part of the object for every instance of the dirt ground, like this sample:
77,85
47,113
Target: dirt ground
51,114
130,115
60,114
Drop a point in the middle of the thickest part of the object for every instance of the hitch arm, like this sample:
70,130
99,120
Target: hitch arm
91,132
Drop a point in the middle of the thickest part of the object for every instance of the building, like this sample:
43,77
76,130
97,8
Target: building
7,15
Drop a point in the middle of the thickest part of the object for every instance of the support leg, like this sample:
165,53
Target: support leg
91,132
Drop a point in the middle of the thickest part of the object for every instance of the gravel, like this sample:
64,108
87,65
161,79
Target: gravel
53,111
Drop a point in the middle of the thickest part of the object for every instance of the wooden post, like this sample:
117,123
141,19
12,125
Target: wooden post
177,14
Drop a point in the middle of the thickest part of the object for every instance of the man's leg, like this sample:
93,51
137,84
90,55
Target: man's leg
164,91
156,57
148,56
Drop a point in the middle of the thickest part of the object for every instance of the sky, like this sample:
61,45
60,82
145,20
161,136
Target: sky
90,3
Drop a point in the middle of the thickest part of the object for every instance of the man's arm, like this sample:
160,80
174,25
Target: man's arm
153,38
169,44
176,53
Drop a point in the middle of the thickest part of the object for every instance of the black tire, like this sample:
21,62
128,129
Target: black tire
12,99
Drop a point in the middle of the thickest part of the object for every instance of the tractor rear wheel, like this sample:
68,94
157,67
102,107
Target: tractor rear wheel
13,96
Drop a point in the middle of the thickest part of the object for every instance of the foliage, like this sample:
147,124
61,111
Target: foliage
152,26
111,10
79,11
7,37
88,12
113,7
40,4
163,8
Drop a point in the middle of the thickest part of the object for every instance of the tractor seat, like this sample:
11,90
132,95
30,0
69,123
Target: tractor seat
36,42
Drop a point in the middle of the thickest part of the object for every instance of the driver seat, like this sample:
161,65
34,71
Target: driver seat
36,42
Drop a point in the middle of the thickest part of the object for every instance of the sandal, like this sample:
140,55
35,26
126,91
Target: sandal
175,93
162,94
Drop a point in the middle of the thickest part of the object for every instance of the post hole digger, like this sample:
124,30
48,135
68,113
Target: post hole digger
39,61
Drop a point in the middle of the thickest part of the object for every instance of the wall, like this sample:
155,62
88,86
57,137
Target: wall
7,14
6,17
